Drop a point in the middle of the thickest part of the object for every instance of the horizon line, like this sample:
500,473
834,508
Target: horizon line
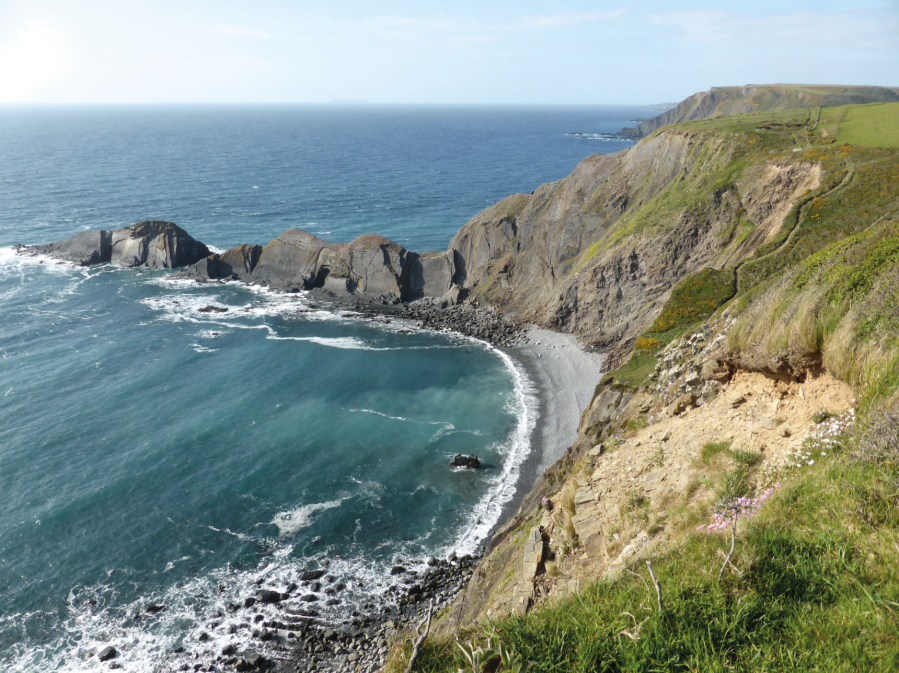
317,104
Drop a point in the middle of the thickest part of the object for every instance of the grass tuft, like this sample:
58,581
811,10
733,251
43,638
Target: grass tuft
710,450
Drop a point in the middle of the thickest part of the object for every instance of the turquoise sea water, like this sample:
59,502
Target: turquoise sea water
152,451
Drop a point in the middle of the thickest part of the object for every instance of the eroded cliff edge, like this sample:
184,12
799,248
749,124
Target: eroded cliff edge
757,360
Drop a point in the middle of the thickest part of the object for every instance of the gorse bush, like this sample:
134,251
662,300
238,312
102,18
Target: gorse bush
692,301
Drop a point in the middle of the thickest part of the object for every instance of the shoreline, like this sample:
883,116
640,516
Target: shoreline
559,377
564,375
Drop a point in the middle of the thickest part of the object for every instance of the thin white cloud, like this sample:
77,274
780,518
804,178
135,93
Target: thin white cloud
408,26
724,28
566,20
236,31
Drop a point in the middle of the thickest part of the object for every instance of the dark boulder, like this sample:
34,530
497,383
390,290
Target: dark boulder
107,653
253,663
268,596
471,462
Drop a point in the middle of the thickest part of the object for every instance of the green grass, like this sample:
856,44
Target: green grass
633,374
818,590
710,450
860,139
692,301
747,458
839,305
874,125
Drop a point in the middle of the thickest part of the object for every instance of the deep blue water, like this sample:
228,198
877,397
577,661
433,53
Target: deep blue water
153,452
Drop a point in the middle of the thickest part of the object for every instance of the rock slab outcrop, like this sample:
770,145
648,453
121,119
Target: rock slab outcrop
370,267
153,243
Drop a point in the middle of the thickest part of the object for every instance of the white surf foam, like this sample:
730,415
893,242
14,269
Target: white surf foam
524,404
239,536
294,520
347,343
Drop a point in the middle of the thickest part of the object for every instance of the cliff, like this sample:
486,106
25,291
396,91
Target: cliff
733,100
743,271
745,445
597,253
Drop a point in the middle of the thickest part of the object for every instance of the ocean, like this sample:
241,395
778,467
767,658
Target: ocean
153,452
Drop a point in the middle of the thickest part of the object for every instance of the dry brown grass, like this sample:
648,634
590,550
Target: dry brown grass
566,497
783,323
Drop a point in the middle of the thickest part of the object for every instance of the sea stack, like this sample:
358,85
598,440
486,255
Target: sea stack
153,244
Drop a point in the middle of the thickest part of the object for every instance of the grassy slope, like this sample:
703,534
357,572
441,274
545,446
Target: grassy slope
870,125
815,585
860,191
765,98
726,148
815,588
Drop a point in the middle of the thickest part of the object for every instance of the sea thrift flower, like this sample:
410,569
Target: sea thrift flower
745,508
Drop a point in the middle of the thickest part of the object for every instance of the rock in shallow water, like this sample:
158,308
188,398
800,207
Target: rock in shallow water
107,653
471,462
268,596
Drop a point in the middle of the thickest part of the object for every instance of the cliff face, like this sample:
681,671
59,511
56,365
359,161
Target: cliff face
722,386
596,253
371,267
733,100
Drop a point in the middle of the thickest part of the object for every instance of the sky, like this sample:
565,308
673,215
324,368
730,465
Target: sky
421,52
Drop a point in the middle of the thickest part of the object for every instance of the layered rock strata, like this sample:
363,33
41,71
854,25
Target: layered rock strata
586,255
152,243
371,267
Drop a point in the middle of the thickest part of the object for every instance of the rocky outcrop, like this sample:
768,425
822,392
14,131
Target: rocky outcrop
152,243
596,254
371,267
470,462
236,263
